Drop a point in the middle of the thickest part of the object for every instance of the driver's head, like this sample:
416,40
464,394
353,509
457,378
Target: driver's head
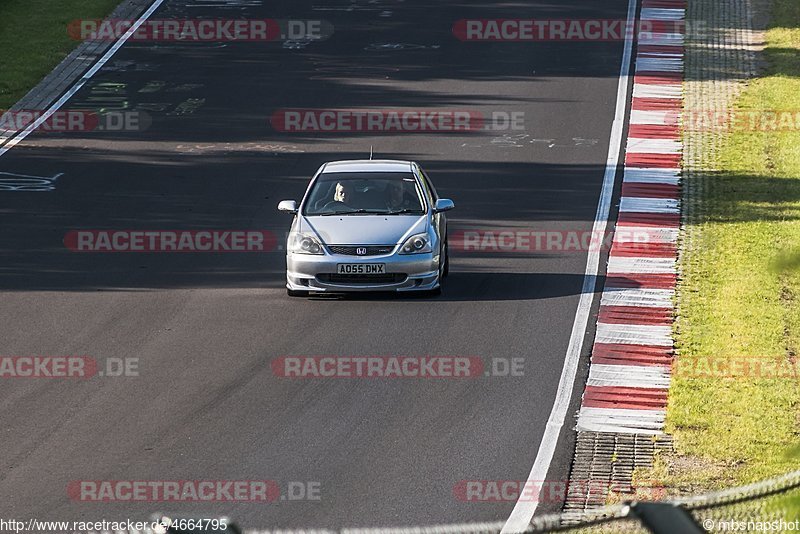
396,193
343,192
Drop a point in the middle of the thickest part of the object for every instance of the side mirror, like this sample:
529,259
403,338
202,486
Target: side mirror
287,205
443,204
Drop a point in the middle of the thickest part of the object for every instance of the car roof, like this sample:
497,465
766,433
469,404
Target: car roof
368,165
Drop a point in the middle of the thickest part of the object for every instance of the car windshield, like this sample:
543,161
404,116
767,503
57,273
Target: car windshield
381,193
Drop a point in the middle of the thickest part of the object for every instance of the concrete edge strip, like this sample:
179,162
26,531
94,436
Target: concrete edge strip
626,391
70,68
524,509
71,74
646,334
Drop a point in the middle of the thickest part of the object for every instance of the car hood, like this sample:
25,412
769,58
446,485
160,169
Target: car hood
364,229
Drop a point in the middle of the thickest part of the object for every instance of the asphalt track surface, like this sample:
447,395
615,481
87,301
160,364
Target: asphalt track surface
205,327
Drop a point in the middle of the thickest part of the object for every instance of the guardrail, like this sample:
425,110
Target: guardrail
772,504
769,505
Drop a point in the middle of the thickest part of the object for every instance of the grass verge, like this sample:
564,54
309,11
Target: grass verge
740,289
34,39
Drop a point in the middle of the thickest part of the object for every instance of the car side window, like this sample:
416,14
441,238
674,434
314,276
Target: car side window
428,185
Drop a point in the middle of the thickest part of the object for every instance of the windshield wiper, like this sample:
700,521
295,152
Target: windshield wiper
362,211
404,210
351,212
327,213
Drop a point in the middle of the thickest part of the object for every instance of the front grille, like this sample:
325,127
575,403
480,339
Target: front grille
375,250
388,278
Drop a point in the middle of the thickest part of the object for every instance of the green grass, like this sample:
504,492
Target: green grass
34,39
740,292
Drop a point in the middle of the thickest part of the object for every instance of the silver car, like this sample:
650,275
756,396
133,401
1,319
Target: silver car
367,225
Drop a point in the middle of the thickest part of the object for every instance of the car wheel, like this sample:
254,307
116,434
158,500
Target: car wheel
296,293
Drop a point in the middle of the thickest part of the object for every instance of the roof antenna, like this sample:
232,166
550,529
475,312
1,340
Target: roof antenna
370,152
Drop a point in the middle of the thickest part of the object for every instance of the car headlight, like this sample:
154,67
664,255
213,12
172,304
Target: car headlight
416,244
304,244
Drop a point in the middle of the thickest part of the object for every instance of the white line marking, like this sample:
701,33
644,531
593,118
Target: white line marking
524,509
621,420
660,39
649,205
644,234
659,64
626,413
646,298
27,182
631,376
82,81
634,334
655,146
647,175
663,118
50,178
662,13
633,265
655,90
661,53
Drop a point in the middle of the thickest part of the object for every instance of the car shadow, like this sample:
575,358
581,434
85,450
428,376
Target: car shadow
485,286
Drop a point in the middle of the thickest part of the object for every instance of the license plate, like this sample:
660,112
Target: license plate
361,268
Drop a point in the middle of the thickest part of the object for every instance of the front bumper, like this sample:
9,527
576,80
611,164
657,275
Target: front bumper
411,272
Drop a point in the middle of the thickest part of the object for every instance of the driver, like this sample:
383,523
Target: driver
343,192
396,198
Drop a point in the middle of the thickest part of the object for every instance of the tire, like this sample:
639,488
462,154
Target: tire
446,270
296,293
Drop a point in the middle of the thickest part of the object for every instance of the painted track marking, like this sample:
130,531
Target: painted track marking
14,141
523,511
